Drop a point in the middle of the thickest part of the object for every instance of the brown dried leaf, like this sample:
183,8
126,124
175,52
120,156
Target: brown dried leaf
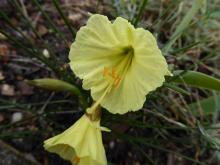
42,30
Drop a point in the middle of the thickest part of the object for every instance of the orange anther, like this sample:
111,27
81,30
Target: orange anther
105,71
113,73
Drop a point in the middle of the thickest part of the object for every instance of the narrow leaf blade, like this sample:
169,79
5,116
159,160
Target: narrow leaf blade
207,105
197,79
197,4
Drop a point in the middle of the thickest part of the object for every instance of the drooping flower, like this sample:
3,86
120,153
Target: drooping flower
81,143
118,63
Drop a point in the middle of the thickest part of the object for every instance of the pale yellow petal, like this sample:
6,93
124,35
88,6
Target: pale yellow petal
102,26
94,49
123,31
137,65
80,143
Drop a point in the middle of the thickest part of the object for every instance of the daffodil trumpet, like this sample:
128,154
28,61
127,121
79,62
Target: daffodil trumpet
82,142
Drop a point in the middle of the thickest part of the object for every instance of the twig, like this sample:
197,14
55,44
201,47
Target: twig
46,103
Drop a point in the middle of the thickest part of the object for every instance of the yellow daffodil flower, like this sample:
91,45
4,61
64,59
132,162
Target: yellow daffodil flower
118,63
81,143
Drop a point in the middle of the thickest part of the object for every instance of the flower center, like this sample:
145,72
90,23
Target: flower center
112,76
115,74
128,50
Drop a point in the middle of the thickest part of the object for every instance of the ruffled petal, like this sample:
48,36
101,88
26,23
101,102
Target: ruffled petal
123,31
131,53
96,47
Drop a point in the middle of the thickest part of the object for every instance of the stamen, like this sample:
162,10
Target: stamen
105,72
113,75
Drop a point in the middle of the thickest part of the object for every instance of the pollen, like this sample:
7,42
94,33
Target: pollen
113,75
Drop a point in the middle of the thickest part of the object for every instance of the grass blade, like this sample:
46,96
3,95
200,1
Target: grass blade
176,88
197,4
50,21
56,4
208,105
140,12
143,141
29,23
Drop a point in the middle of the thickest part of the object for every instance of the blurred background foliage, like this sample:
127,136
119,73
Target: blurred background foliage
179,123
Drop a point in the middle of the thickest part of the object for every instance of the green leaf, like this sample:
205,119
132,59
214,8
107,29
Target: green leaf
207,105
197,4
140,12
196,79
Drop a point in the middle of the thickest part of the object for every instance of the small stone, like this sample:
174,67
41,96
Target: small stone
46,53
2,36
7,90
1,76
112,145
42,30
17,116
75,17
